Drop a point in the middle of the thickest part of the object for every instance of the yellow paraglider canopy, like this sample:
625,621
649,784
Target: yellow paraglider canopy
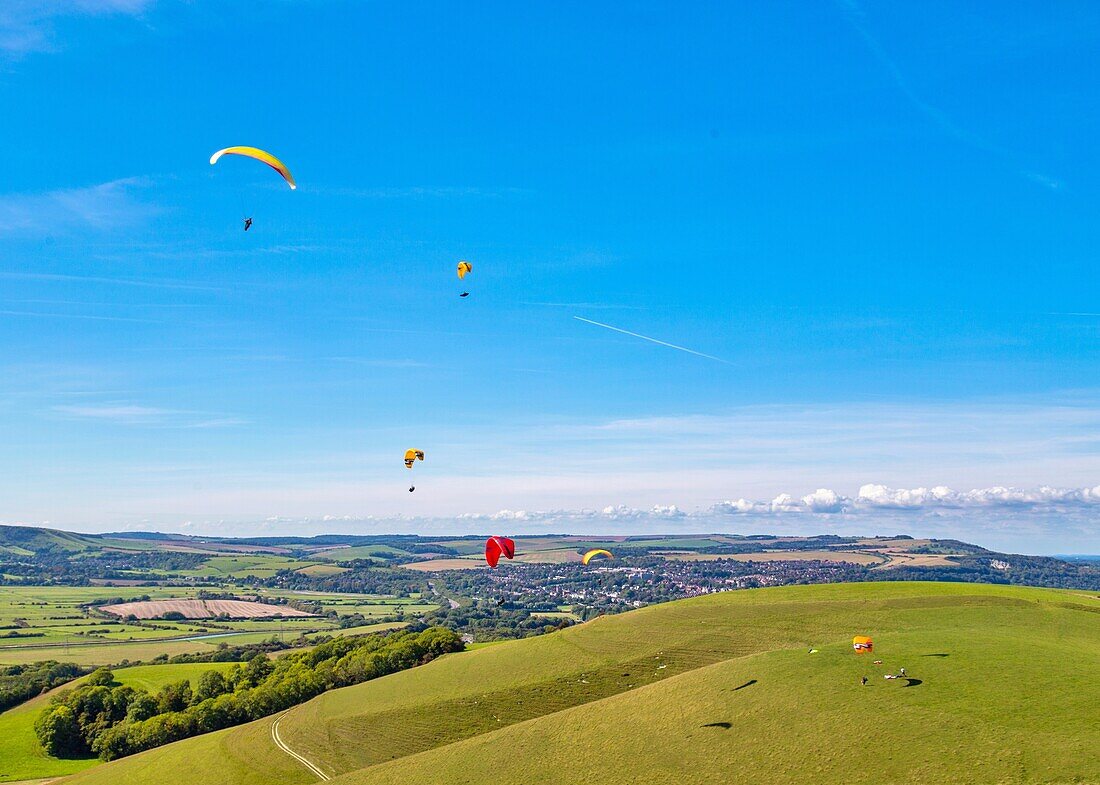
592,554
412,456
463,268
259,155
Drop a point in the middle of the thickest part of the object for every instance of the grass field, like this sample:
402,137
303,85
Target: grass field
708,690
373,552
22,758
437,565
240,566
322,570
153,677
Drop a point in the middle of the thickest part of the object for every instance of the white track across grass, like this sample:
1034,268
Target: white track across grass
300,758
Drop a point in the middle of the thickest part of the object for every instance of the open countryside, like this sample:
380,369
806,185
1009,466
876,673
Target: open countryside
182,623
549,393
721,681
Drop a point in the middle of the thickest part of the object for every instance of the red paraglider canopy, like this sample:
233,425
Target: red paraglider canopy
495,547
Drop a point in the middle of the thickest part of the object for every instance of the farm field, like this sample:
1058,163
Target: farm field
95,654
201,609
244,565
707,685
372,552
555,556
322,570
852,557
439,565
48,622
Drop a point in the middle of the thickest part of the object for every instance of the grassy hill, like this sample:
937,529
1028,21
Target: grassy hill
21,757
711,689
27,540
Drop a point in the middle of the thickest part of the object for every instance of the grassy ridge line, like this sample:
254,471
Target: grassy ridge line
463,696
607,657
997,714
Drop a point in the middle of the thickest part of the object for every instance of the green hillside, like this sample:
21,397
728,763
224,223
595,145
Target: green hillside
21,757
27,540
711,689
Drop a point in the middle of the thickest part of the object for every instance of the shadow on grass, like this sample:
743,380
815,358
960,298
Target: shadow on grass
935,655
913,682
722,725
748,683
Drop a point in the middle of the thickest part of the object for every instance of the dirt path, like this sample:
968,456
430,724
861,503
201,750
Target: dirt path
283,746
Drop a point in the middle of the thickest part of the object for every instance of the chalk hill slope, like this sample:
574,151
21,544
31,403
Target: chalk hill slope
714,689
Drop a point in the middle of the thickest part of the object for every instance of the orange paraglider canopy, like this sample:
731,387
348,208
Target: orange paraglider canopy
863,644
495,547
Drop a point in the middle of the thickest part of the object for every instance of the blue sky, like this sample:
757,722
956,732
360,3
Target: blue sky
881,216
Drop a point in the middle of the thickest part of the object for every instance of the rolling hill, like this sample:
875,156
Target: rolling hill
28,540
717,688
21,757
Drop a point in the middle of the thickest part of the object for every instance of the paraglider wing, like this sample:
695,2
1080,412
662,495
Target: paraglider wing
412,456
595,552
463,268
495,547
863,644
259,155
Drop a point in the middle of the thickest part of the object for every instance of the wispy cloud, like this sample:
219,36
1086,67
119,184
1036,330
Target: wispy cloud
379,363
653,340
26,26
115,413
857,19
145,283
102,207
79,316
219,422
130,414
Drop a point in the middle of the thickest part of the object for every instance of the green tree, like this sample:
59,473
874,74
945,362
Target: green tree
257,670
142,707
175,696
211,685
58,731
100,677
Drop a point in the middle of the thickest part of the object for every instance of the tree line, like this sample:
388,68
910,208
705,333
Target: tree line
104,718
22,682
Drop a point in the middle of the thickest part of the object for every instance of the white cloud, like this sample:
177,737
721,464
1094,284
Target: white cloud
997,496
900,498
824,500
27,25
102,207
616,512
940,497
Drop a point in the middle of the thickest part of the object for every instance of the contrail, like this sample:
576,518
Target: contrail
653,340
